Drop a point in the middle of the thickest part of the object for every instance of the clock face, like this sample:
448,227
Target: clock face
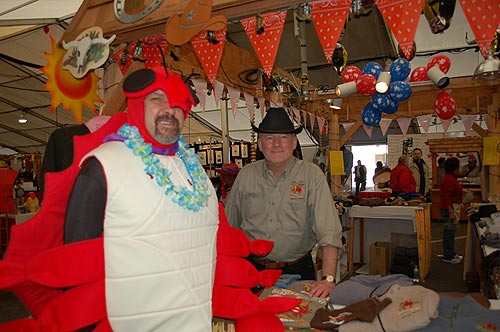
124,12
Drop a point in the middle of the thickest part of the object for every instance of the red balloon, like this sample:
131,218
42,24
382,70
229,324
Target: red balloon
419,74
442,61
350,74
366,84
445,106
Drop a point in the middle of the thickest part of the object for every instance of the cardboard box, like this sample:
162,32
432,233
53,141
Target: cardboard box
380,258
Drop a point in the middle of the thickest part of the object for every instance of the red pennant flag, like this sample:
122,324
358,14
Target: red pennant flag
208,53
124,57
151,52
329,18
483,17
266,44
401,16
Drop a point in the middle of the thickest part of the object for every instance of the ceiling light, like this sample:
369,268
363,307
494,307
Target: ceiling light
438,77
22,118
489,69
346,89
383,81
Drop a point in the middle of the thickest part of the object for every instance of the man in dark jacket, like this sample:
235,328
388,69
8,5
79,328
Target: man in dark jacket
360,177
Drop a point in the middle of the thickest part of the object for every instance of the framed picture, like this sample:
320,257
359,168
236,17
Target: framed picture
244,150
239,162
218,156
235,150
210,156
203,157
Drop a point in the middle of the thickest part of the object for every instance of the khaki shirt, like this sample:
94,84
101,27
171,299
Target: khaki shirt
416,174
296,211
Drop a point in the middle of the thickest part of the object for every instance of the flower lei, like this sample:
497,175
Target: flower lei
188,199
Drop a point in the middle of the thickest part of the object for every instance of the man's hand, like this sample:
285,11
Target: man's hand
321,289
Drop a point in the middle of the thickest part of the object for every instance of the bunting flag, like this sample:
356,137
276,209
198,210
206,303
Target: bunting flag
484,18
446,124
250,105
384,125
404,124
266,43
262,105
200,87
296,115
234,98
208,53
347,125
321,123
401,16
303,115
368,130
312,120
218,89
329,18
150,50
467,121
426,121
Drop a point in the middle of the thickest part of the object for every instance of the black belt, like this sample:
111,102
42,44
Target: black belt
269,264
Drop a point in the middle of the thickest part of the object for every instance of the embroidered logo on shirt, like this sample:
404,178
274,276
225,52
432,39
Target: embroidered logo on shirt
486,327
408,307
297,189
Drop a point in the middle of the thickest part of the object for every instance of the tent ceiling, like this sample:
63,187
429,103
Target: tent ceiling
23,42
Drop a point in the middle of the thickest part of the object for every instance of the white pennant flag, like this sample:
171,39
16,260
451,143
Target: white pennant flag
218,88
234,98
347,125
312,120
303,115
200,86
250,106
296,115
321,123
262,105
468,121
446,124
426,121
404,124
368,130
384,125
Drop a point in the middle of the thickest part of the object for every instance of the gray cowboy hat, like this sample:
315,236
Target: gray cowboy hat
277,121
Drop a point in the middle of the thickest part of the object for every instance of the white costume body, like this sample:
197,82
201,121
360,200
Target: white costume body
159,257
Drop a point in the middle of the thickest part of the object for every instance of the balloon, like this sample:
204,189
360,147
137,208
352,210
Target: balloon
373,68
350,73
370,116
445,106
400,69
419,74
440,60
392,107
366,84
399,91
383,103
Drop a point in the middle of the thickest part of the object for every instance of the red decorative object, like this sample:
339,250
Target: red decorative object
484,18
419,74
351,73
401,16
208,53
329,18
445,106
266,43
150,52
442,61
366,84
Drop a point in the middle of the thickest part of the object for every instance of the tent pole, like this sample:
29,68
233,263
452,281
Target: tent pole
225,128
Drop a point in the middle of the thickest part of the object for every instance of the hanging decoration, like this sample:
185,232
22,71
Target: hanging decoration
250,105
266,42
445,106
484,18
442,61
467,121
200,87
401,16
384,125
350,74
399,69
88,51
133,11
208,53
368,130
419,74
373,68
234,98
329,19
65,89
445,123
150,50
399,91
370,116
366,84
439,14
425,120
404,124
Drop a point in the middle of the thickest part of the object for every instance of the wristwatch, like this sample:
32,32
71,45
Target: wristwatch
328,278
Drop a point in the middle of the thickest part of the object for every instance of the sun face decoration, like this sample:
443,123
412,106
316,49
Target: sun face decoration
67,90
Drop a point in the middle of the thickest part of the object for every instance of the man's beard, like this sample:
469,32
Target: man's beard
170,135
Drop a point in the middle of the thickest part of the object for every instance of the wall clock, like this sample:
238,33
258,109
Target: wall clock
134,10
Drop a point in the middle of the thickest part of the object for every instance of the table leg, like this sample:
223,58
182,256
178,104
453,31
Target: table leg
351,246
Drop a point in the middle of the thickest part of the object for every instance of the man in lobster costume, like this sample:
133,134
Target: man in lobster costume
128,237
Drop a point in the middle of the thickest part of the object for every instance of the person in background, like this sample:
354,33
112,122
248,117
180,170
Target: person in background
360,177
146,193
440,170
379,167
420,172
286,200
470,170
451,192
402,180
